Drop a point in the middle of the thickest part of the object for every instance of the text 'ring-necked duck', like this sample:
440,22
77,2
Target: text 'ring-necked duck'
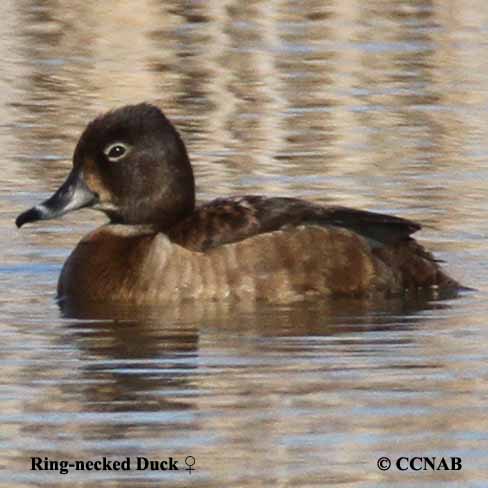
160,247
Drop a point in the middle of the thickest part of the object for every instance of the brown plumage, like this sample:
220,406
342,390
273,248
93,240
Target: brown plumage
232,219
132,164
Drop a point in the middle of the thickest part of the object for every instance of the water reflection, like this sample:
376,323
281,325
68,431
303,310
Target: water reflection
132,360
146,358
232,385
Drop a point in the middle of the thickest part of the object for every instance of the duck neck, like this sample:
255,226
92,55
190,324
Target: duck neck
173,211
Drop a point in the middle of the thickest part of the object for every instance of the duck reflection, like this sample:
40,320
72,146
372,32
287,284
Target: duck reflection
145,375
147,359
137,360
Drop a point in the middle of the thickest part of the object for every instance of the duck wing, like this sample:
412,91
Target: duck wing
228,220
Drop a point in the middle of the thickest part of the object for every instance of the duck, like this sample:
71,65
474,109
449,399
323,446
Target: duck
159,246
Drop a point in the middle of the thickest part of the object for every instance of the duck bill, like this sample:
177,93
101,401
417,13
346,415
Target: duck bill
72,195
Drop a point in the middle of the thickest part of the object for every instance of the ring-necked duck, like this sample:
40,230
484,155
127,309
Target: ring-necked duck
132,165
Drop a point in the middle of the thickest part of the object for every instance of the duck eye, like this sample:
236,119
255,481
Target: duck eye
116,151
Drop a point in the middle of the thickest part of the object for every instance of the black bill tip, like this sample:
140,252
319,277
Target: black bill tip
32,215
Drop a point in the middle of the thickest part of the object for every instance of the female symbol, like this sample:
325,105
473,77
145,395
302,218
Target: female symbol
190,461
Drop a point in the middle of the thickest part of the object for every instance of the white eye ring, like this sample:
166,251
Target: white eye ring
116,151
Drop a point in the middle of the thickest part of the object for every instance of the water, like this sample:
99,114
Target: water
377,105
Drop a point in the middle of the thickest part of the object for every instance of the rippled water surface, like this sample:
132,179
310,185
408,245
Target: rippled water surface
378,105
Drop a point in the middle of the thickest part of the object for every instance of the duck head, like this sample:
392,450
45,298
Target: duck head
132,165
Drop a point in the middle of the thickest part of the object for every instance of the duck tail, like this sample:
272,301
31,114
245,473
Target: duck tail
416,267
